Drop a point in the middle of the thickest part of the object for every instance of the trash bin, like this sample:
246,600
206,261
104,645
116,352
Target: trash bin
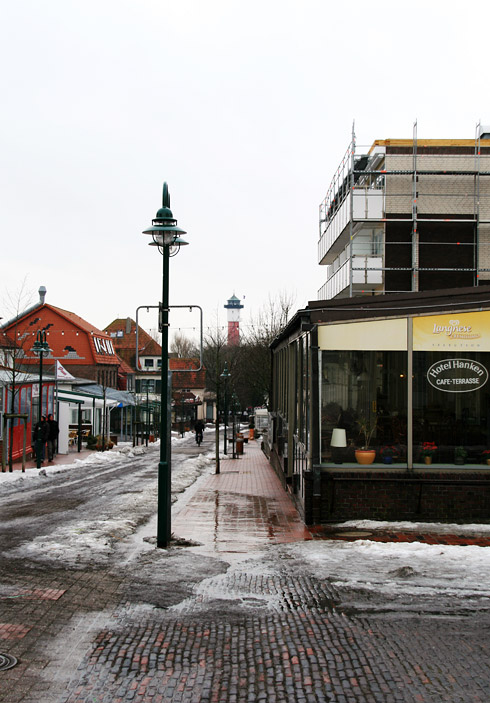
239,445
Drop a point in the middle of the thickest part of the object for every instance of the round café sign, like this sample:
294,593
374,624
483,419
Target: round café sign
457,375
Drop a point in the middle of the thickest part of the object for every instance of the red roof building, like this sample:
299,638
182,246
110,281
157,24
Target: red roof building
188,381
80,347
7,349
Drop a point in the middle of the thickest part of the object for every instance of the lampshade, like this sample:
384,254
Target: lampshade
339,438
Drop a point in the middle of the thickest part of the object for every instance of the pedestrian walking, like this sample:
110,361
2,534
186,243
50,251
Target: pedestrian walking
53,432
41,431
199,430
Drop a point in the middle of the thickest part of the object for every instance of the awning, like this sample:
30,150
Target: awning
86,400
123,398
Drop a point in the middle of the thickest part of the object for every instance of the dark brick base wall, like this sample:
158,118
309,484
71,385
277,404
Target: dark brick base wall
445,496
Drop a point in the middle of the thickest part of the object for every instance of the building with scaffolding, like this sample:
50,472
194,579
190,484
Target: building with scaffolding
407,215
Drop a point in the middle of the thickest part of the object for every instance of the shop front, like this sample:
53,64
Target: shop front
19,412
411,391
399,412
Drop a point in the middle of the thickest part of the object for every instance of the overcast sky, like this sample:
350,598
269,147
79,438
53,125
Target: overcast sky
244,107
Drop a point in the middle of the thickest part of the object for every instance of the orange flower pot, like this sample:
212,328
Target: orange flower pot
365,456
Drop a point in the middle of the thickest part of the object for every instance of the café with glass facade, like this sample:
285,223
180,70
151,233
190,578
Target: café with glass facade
380,407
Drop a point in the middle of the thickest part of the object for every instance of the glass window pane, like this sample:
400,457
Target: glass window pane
451,407
364,393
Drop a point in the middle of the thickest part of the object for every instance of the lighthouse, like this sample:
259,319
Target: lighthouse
233,306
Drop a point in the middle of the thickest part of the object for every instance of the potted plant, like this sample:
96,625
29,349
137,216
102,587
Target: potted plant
91,441
100,446
460,455
367,427
427,451
389,453
486,456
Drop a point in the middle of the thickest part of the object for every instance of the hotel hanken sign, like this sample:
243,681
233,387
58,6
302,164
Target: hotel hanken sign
457,375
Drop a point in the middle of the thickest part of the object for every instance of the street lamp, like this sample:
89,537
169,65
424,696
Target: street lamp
40,348
234,406
166,236
226,375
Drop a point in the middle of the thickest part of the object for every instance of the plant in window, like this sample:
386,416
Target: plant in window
486,455
427,451
367,427
460,455
389,453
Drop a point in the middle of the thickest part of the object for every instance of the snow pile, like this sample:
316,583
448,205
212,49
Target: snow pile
118,453
189,471
80,543
83,541
402,568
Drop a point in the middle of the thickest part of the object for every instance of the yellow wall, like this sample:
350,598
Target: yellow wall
466,331
388,335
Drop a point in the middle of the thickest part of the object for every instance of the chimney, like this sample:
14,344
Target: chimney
128,325
42,294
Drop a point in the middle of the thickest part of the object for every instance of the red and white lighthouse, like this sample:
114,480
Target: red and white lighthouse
233,306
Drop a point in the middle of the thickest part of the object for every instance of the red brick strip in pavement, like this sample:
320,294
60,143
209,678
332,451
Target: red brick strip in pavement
329,532
10,631
58,460
242,508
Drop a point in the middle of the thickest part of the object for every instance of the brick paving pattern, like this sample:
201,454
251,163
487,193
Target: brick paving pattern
239,637
308,651
241,509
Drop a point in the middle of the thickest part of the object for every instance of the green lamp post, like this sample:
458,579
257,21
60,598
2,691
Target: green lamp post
234,404
225,376
40,348
166,236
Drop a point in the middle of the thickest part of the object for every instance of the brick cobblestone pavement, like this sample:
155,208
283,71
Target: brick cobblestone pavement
237,635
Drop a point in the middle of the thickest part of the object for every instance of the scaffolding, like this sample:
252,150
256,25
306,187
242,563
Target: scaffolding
433,192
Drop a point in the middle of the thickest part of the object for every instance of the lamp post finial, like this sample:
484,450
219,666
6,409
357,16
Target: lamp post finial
165,196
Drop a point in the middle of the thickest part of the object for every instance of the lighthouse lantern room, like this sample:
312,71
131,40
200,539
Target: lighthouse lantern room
233,306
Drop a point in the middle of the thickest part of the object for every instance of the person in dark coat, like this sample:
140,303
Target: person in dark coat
53,432
199,429
41,431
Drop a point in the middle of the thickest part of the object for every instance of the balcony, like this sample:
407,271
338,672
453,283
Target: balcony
368,204
367,275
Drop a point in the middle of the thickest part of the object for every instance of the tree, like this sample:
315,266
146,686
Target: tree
16,304
255,360
184,347
249,362
214,346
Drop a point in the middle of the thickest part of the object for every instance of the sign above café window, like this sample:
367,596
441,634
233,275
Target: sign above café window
457,375
457,331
